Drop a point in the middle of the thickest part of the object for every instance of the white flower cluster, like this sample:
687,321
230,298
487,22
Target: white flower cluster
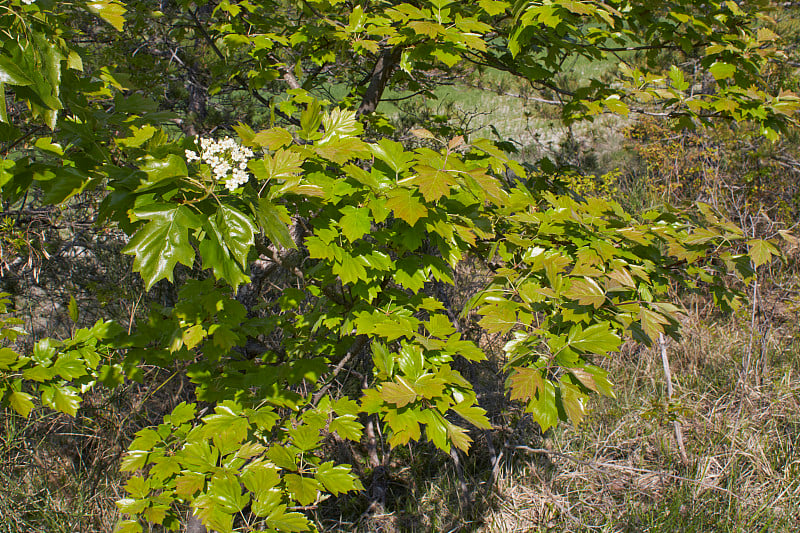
224,156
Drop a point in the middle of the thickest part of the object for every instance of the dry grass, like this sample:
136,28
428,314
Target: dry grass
621,471
60,474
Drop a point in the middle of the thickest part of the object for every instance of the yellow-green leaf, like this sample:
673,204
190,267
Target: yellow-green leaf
406,205
761,251
21,402
399,393
110,11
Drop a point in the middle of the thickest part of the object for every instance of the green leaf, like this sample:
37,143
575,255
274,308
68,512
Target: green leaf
283,165
137,487
64,399
466,349
652,322
572,401
236,230
109,10
134,460
62,183
11,74
404,424
489,185
493,7
598,338
429,386
393,153
273,220
260,477
406,205
217,257
355,222
145,440
227,493
347,427
127,526
721,70
615,105
410,273
273,138
72,308
282,457
440,326
350,269
432,183
3,119
340,151
232,236
193,336
306,437
158,170
291,522
189,483
427,28
340,124
678,81
499,318
337,479
472,414
226,427
310,121
600,379
303,489
381,356
38,373
69,366
131,506
587,292
761,251
21,402
163,242
139,137
7,358
411,362
458,436
526,383
436,428
264,418
399,393
5,164
212,515
543,408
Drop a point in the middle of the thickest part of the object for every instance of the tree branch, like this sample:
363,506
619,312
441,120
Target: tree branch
381,72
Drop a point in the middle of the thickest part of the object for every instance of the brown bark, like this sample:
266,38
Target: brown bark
381,73
194,525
